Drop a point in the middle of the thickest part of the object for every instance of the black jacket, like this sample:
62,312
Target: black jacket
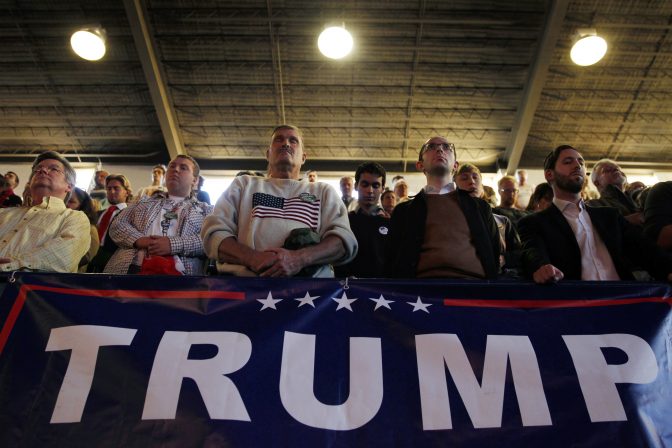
407,233
371,233
613,197
548,239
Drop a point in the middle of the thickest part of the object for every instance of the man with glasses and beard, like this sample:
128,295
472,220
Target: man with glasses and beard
577,242
47,236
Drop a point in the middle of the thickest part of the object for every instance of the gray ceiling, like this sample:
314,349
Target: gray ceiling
212,78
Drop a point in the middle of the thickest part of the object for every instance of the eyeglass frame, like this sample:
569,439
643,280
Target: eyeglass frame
445,147
49,170
509,190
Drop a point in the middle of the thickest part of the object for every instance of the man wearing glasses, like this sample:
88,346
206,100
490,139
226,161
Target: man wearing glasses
508,193
442,232
47,236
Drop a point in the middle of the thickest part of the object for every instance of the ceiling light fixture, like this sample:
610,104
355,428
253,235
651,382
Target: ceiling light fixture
89,43
335,42
588,48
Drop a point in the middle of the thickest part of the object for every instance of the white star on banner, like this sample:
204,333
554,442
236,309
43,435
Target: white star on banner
307,300
418,305
268,302
381,301
343,302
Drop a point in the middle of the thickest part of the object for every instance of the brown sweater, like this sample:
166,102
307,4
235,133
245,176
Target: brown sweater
447,250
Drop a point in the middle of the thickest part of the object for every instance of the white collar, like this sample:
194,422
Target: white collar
448,188
120,206
562,204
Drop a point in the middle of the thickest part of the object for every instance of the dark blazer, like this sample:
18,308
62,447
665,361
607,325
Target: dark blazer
613,197
548,239
407,233
12,201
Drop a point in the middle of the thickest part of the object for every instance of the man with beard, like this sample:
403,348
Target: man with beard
279,226
577,242
442,232
508,192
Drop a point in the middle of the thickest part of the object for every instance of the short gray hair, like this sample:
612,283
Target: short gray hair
598,167
69,171
293,128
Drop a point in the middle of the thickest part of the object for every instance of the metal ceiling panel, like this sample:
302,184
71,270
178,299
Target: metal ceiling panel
234,69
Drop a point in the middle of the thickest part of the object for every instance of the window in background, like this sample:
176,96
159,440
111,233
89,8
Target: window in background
647,179
85,177
336,185
215,186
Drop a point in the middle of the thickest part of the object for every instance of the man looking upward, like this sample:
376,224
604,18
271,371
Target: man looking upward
47,236
257,217
442,232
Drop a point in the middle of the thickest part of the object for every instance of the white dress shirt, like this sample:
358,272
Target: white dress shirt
120,207
449,187
596,263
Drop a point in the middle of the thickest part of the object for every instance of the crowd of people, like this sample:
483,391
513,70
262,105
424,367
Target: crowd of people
279,224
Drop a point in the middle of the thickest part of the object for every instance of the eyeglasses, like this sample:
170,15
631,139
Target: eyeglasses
436,146
49,170
508,190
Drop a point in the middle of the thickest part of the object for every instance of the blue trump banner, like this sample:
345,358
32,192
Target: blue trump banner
97,360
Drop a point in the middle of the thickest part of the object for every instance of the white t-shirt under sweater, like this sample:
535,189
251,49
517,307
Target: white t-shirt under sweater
261,213
174,205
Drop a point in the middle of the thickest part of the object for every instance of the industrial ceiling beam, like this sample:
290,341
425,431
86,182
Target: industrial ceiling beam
156,82
411,88
277,64
532,93
115,155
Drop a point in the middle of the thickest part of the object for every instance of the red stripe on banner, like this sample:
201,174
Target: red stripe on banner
141,293
540,303
13,315
118,293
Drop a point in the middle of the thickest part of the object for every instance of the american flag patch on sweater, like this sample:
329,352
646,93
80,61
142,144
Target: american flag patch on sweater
305,208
